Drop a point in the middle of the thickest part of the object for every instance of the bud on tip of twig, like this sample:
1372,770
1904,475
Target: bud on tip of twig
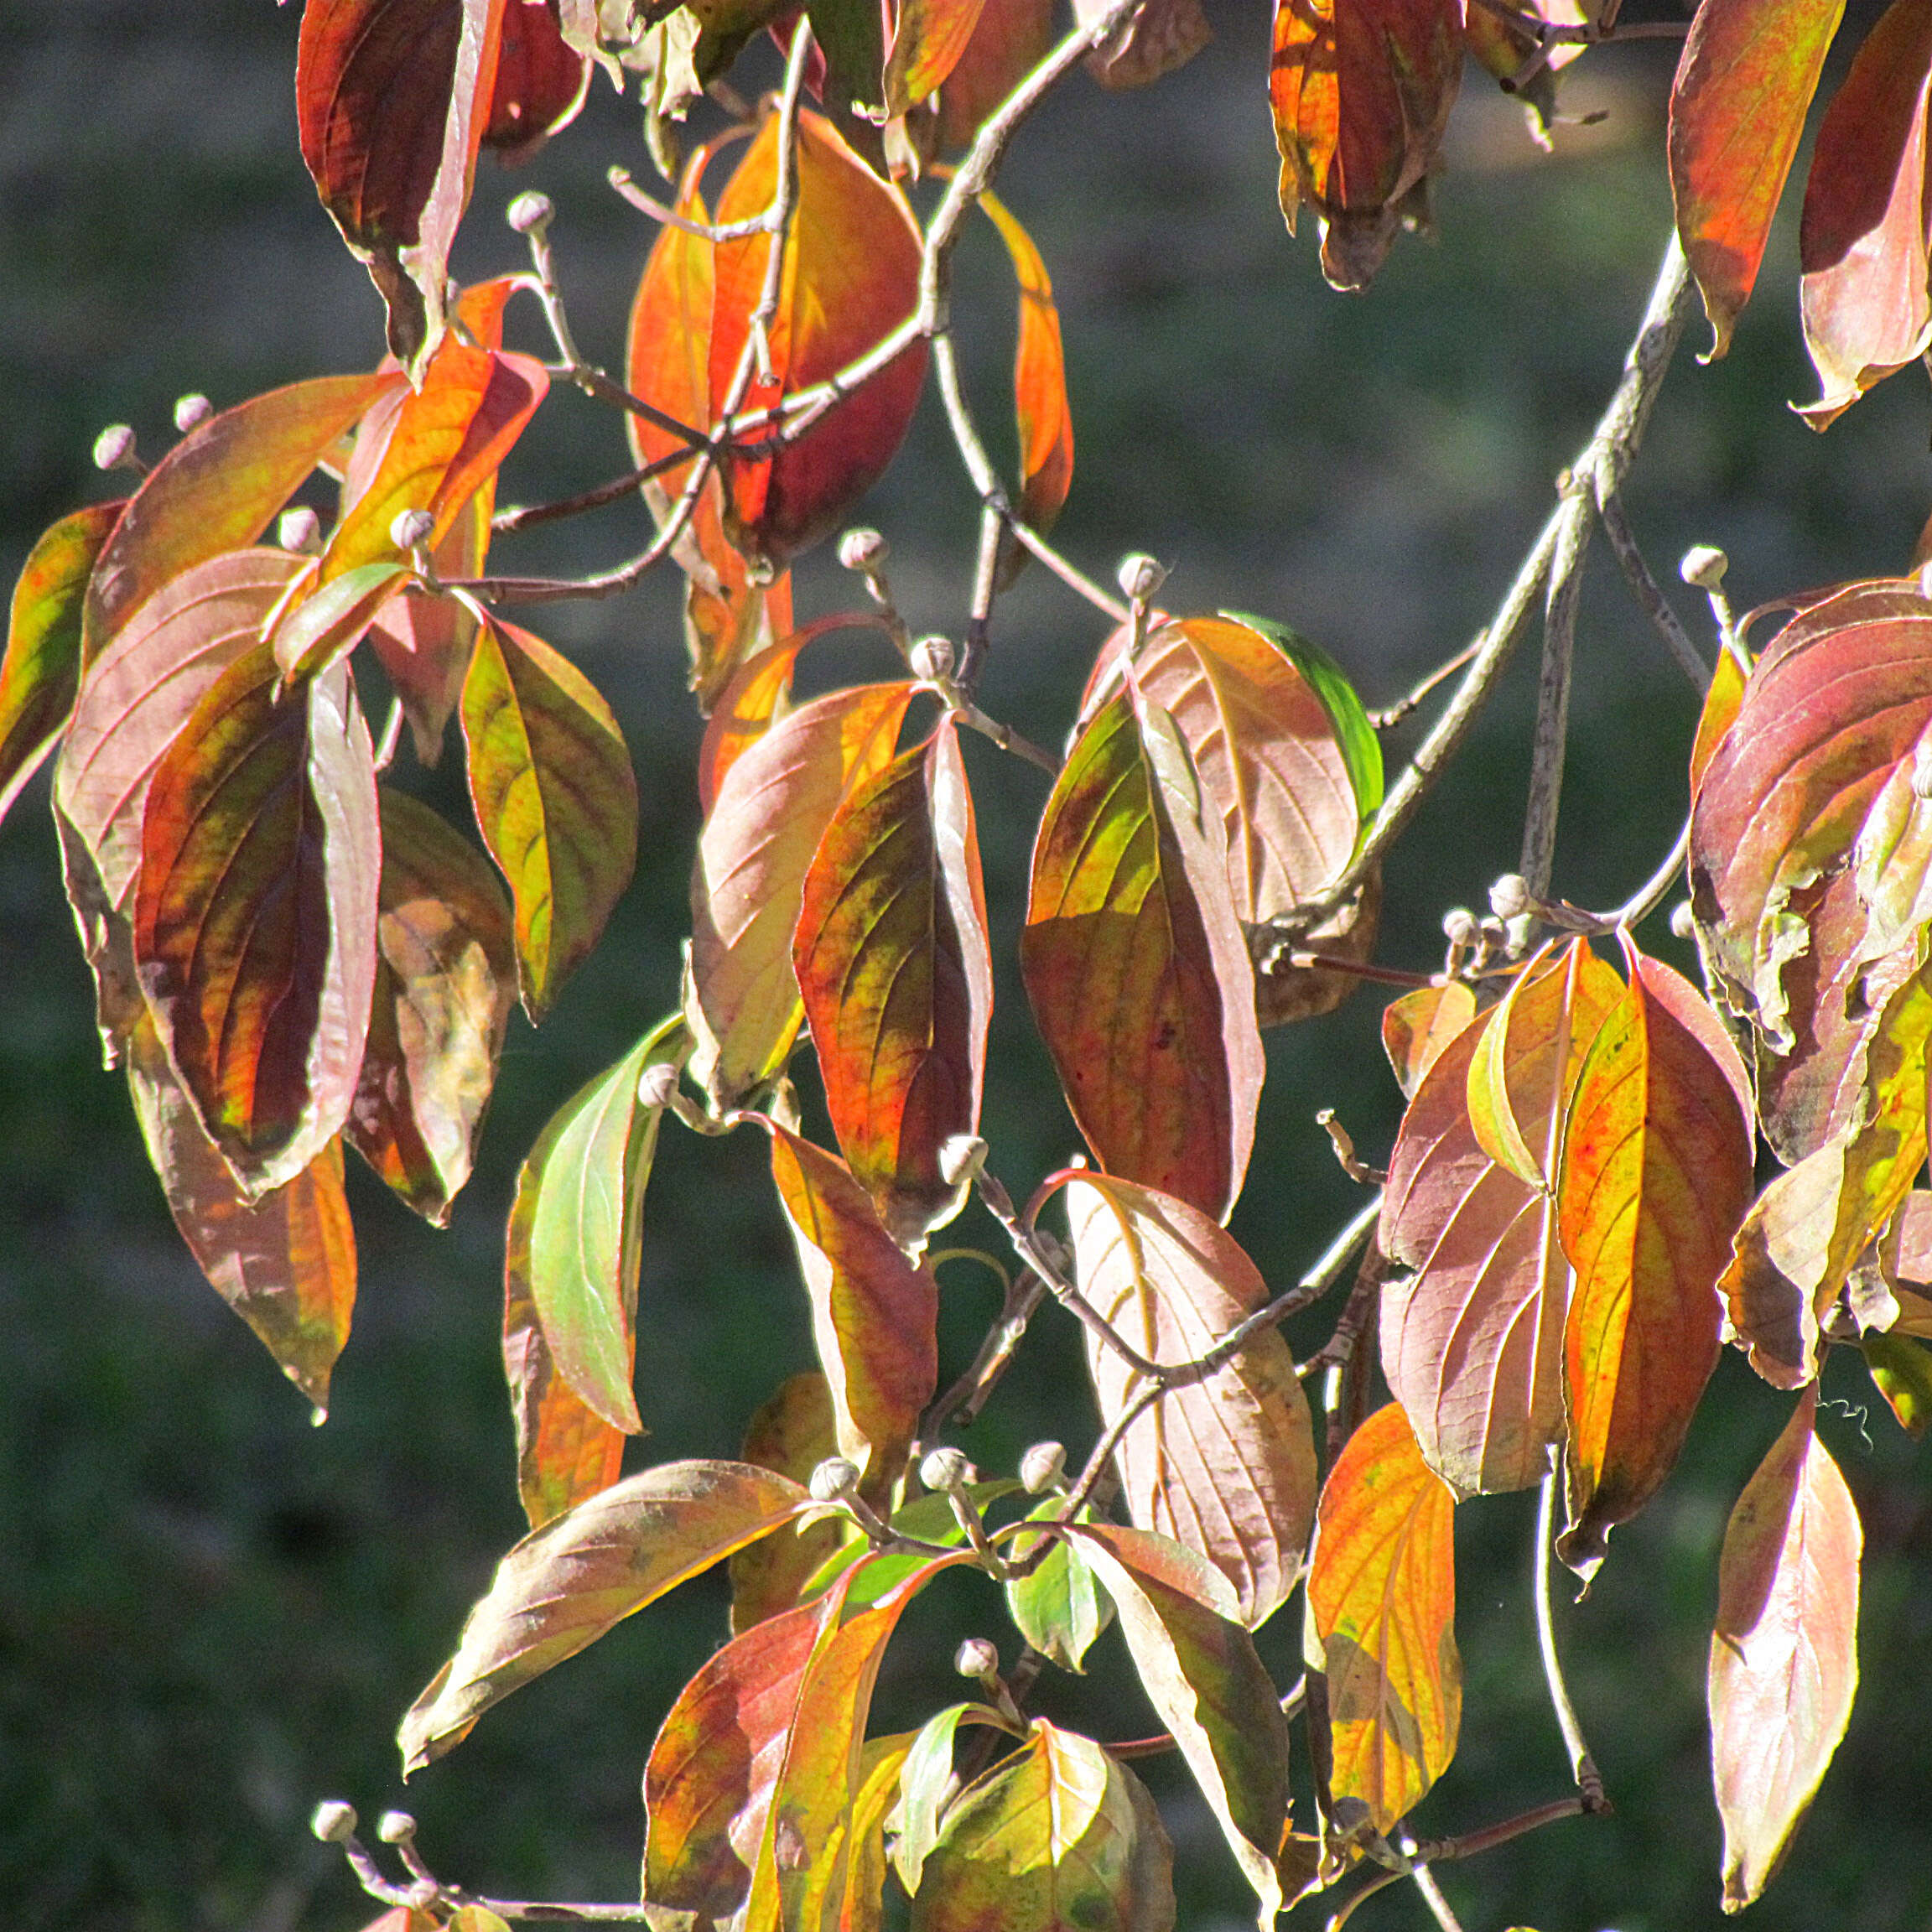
1141,576
1704,566
946,1470
961,1157
834,1478
1042,1466
396,1828
333,1821
529,212
191,411
976,1659
932,658
300,530
410,528
1459,926
1510,896
657,1084
114,448
1683,920
864,550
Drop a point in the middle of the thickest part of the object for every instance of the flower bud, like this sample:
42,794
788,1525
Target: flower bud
933,658
410,528
1518,932
396,1828
300,530
1683,920
114,448
864,550
1042,1466
976,1659
530,212
834,1478
657,1084
946,1470
1704,566
961,1157
1141,576
191,411
1459,926
333,1821
1510,896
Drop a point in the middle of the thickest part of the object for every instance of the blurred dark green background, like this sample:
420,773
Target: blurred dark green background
211,1614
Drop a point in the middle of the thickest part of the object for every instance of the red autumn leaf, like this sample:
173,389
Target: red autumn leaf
540,83
850,278
1360,93
1656,1176
1382,1606
1009,39
1224,1465
1738,107
759,693
217,489
255,912
284,1262
772,808
1472,1337
897,975
793,1432
928,37
1784,1653
40,674
555,799
566,1584
874,1314
1154,40
1416,1026
566,1452
1863,242
444,441
445,980
391,99
1135,965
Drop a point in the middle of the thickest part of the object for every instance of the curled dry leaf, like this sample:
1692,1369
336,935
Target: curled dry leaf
1737,105
255,912
1785,1654
1473,1335
564,1585
1135,964
1159,36
1656,1176
1360,93
1224,1465
896,974
1382,1604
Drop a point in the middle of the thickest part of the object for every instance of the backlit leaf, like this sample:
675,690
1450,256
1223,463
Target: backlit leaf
391,98
1656,1176
772,808
1134,964
1154,40
326,627
1901,1370
793,1433
929,39
565,1450
1783,1655
758,695
540,83
1719,712
217,489
925,1784
892,960
1382,1596
1361,94
1863,242
564,1585
1057,1608
1046,423
1472,1337
555,799
874,1314
1058,1836
1737,105
1416,1026
1226,1464
1009,39
445,980
576,1224
40,674
1202,1676
284,1262
255,912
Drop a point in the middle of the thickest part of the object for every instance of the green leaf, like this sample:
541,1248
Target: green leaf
564,1585
40,674
555,800
1902,1369
924,1782
576,1225
1058,1609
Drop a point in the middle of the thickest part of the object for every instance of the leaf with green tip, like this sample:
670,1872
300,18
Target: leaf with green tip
566,1584
555,799
255,912
1058,1609
40,674
217,489
566,1451
925,1783
927,40
1057,1837
928,1518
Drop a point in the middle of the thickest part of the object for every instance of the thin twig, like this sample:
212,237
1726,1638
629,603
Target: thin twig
1432,1895
618,488
1395,713
1648,592
1560,598
1589,1784
660,212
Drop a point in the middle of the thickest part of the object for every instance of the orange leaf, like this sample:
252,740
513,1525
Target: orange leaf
566,1452
1737,105
1863,242
1784,1653
1656,1176
1039,380
927,41
1009,37
1416,1026
1382,1600
1718,714
893,963
792,1432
